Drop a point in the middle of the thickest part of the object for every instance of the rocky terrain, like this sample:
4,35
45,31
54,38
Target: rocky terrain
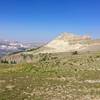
52,76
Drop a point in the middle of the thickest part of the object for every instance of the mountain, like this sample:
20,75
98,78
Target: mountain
65,42
7,46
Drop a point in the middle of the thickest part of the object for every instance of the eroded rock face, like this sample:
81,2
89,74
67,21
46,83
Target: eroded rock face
67,42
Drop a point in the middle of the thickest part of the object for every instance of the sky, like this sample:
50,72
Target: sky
42,20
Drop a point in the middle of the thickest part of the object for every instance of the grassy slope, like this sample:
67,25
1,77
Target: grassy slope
52,77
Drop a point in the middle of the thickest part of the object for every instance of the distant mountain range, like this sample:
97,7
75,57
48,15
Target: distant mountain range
7,46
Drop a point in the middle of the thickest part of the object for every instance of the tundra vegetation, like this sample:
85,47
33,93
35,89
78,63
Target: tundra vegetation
58,76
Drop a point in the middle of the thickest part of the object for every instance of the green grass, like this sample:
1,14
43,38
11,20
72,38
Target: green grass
52,77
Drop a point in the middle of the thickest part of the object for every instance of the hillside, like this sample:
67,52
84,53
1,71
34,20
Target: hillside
56,76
